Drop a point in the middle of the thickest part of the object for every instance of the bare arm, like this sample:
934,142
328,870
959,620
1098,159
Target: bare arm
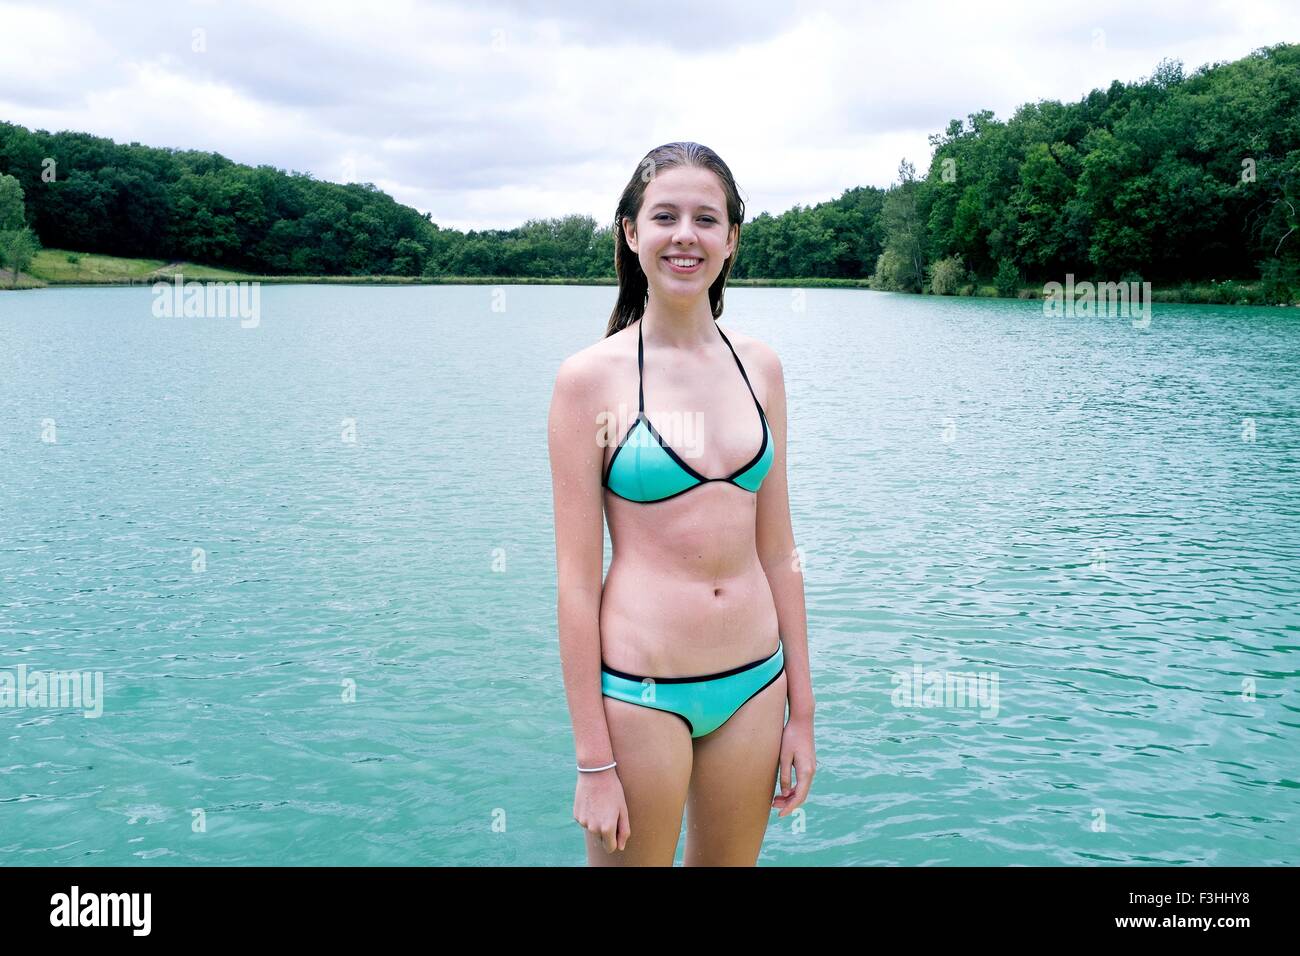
776,551
576,463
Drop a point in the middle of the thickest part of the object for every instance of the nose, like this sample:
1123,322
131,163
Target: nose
684,234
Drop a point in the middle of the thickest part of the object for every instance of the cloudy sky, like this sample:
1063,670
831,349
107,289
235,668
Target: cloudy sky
487,113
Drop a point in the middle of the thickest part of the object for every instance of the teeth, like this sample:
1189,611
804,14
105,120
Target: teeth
684,263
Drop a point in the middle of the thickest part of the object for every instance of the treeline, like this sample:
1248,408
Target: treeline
1171,178
90,194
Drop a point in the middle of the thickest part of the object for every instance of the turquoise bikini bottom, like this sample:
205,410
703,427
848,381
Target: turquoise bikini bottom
705,703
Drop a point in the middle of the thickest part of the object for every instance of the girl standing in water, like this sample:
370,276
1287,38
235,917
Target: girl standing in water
678,669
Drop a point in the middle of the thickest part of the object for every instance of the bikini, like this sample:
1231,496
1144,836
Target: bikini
650,472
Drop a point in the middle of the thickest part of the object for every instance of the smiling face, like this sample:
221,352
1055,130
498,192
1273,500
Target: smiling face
681,236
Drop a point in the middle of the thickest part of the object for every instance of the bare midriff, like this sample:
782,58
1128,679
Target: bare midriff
685,594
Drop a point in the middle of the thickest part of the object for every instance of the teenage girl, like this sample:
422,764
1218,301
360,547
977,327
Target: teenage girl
678,669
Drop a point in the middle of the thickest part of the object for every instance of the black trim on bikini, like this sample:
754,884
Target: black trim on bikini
690,727
692,680
641,416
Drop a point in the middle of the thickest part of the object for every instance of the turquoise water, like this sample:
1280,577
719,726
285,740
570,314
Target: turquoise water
1070,507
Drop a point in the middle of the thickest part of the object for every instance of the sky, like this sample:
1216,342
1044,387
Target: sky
489,113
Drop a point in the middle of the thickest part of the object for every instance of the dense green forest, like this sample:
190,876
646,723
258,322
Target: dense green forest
1170,178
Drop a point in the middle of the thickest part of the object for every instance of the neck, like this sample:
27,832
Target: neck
688,326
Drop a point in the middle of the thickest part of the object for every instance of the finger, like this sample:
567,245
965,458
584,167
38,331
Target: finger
624,830
610,838
786,763
801,791
790,800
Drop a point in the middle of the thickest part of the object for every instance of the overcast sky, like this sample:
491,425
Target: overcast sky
487,113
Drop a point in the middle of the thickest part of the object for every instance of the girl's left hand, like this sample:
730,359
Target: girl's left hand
796,749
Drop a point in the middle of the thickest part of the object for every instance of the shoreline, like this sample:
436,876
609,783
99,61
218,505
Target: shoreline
1228,292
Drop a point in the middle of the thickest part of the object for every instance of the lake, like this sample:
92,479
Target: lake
312,561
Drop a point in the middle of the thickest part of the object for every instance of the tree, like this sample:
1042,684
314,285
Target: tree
18,247
945,275
905,229
1007,280
408,258
18,243
1041,203
11,204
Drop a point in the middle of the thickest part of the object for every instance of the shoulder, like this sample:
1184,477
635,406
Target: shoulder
587,371
756,354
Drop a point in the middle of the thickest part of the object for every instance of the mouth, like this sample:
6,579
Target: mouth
684,264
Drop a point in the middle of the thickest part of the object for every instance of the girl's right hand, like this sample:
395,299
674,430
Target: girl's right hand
601,809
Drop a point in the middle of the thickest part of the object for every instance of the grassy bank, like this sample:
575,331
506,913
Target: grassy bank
58,267
24,281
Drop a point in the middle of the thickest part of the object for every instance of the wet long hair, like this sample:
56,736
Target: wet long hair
633,287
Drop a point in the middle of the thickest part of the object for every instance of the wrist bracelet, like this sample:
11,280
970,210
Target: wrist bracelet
594,769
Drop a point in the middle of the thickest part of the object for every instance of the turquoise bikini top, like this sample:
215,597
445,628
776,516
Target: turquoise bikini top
643,469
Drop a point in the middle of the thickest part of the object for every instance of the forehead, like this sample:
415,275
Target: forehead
686,186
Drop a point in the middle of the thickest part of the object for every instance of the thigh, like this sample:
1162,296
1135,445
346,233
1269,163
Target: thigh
733,783
653,750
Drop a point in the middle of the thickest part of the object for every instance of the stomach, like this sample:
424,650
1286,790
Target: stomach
685,597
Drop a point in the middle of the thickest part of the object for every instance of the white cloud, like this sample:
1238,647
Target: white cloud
488,114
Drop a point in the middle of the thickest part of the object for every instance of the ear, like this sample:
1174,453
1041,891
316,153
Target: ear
629,232
731,240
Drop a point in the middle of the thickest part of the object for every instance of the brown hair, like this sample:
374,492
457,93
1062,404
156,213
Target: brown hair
633,287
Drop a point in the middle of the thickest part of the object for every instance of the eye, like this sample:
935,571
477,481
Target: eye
664,215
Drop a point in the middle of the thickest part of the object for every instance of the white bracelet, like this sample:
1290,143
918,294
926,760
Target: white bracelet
594,769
